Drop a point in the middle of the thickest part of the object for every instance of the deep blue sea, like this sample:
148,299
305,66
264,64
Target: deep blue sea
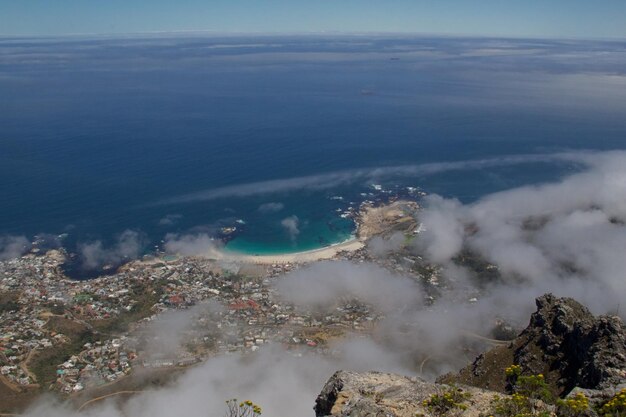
278,135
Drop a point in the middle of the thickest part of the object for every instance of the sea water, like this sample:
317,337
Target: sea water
278,136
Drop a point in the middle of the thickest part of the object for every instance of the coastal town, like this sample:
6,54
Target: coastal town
71,336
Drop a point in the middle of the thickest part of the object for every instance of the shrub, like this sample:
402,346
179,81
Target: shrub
526,393
242,409
534,387
517,405
451,399
8,306
614,407
576,406
513,371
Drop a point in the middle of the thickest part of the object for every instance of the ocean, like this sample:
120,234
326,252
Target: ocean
268,140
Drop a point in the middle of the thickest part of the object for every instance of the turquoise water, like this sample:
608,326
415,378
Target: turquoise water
251,247
270,239
189,135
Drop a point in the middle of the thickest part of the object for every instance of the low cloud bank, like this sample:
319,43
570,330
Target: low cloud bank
164,335
291,225
379,246
283,383
414,334
129,245
170,219
271,207
200,244
564,237
364,176
13,246
324,284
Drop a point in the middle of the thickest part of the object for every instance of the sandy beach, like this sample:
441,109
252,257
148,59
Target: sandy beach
372,221
328,252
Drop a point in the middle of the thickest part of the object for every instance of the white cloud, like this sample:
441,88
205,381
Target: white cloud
128,245
562,237
291,224
366,176
200,244
271,207
325,283
13,246
170,219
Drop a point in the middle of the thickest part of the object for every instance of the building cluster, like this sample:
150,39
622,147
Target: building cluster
23,302
98,364
226,313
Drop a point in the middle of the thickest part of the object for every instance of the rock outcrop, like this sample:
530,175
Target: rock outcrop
574,350
564,342
380,394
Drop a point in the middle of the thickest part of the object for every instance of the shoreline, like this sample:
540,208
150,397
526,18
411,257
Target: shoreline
328,252
371,221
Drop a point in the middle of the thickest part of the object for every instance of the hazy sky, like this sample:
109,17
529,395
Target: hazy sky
534,18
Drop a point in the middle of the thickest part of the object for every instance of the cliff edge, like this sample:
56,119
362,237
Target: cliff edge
564,344
381,394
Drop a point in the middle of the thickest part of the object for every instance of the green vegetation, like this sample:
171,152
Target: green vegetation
484,272
614,407
534,387
44,364
452,399
242,409
145,300
9,305
517,406
513,371
577,406
8,302
57,308
530,396
82,298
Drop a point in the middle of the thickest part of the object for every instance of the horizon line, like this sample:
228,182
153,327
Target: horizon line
210,33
